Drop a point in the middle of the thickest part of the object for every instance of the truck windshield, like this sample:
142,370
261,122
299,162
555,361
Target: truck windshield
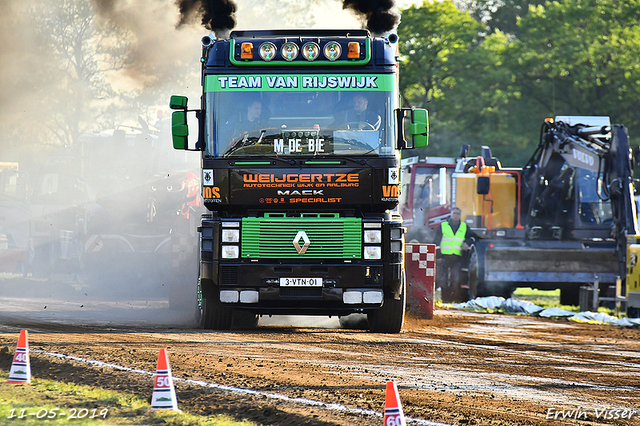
299,123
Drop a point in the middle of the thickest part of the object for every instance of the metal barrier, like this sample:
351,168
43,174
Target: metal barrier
420,267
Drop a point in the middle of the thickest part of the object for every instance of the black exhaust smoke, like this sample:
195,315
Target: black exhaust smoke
105,7
218,16
378,14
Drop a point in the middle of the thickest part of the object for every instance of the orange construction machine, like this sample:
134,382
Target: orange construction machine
560,222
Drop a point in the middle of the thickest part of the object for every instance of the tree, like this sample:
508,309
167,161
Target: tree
81,50
579,57
499,15
433,40
18,88
570,57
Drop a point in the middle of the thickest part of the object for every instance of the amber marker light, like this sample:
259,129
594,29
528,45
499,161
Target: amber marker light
353,50
246,51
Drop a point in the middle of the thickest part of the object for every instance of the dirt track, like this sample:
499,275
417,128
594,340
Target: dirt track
459,368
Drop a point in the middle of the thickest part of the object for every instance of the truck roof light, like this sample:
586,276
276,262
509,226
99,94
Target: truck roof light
310,51
353,50
289,51
246,50
332,50
267,51
548,120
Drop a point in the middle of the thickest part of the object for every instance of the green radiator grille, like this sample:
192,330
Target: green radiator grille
330,237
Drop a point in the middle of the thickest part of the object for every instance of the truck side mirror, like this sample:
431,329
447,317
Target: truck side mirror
179,126
420,127
179,129
178,102
482,185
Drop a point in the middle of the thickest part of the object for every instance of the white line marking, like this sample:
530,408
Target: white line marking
304,401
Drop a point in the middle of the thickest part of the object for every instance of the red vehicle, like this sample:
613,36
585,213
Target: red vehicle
425,198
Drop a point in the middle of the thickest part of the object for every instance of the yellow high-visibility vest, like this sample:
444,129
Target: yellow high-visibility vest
452,243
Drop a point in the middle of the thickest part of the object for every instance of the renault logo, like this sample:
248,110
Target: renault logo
301,235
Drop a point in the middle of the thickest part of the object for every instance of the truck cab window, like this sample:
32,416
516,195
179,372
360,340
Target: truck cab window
295,123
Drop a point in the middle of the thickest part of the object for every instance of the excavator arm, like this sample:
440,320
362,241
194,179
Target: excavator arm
576,207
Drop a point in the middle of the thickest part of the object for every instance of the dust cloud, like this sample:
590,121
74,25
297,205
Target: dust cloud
98,213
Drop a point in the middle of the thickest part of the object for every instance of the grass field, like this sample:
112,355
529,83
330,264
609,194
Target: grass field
49,402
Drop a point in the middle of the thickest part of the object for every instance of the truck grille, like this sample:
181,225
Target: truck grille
330,237
229,275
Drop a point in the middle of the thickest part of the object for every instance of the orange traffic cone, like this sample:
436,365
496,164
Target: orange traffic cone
20,372
164,394
393,415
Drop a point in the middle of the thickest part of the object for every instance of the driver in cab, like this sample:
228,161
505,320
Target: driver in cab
245,123
248,120
359,117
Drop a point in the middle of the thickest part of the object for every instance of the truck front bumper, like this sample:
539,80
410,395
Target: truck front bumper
345,288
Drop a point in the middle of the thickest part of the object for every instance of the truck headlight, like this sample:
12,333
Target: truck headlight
332,50
310,51
289,51
267,51
374,297
230,252
352,297
228,296
372,252
230,235
372,236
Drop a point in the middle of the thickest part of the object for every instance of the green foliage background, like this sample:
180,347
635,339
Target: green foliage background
490,71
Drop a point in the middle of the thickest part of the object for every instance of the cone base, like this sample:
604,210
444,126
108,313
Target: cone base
17,382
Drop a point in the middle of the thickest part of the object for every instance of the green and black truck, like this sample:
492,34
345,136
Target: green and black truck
300,132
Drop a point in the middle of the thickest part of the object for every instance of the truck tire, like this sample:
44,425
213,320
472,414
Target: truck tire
390,317
215,316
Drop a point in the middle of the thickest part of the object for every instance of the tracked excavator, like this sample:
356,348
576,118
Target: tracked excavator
566,220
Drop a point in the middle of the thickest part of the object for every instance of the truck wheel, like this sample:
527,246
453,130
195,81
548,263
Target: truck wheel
215,316
390,317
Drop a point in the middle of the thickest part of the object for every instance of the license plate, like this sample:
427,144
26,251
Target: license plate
300,282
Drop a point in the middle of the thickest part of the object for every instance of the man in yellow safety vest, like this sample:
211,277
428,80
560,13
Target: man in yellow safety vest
452,238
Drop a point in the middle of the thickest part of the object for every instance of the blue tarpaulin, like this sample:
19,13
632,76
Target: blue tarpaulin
495,304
